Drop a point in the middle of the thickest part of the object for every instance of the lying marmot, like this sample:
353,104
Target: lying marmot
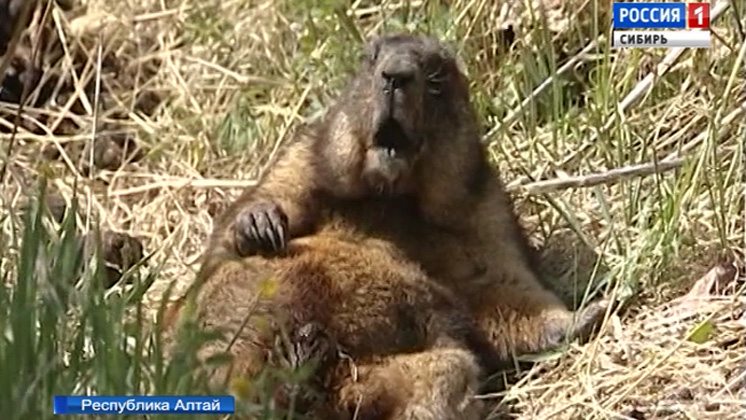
399,157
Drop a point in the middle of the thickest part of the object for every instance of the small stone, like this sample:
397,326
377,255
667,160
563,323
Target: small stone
119,252
712,406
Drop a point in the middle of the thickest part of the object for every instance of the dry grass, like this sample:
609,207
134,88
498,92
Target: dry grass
681,360
237,75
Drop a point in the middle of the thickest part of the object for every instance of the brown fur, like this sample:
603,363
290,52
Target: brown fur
413,351
452,215
399,157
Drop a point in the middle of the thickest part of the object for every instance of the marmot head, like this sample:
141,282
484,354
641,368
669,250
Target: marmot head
408,95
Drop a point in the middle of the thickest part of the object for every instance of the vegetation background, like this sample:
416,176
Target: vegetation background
637,154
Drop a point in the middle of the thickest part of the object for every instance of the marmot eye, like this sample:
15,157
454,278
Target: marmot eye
435,82
436,73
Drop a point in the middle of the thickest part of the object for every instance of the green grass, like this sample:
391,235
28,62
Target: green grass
62,333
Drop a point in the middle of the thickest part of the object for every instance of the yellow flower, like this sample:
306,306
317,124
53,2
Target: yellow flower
240,388
268,288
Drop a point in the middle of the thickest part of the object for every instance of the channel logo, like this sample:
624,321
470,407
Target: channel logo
691,19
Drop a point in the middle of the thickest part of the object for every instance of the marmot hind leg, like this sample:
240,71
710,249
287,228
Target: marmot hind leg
527,318
436,384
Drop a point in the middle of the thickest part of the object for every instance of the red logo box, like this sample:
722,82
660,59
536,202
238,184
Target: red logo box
698,15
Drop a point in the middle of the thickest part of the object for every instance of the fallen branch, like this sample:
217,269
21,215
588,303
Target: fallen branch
184,183
538,187
644,169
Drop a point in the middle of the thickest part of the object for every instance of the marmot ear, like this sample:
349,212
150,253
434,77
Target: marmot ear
371,49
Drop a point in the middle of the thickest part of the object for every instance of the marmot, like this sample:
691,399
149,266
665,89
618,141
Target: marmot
398,157
411,350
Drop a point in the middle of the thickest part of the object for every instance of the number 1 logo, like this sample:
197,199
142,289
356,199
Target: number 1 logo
698,15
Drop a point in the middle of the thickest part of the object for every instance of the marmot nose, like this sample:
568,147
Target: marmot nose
397,74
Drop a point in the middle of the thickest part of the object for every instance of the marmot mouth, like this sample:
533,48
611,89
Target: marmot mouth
391,136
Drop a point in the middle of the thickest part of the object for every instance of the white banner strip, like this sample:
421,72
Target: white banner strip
662,39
